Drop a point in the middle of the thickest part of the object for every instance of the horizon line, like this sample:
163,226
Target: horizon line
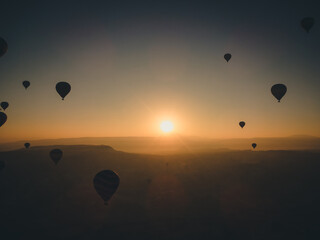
188,136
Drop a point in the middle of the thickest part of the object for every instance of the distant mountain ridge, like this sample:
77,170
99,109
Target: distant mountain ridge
178,144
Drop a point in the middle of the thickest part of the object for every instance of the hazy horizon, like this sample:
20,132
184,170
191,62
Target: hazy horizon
176,144
164,136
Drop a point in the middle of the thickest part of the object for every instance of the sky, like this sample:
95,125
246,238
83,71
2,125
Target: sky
134,64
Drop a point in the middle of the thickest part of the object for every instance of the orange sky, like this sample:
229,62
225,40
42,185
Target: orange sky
125,83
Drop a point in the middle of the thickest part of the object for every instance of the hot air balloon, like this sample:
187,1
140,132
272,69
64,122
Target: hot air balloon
254,145
2,165
106,184
278,91
26,84
3,47
227,57
56,155
3,118
242,123
4,105
63,88
307,23
27,145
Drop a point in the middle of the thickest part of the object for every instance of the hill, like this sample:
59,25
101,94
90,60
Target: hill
179,144
222,195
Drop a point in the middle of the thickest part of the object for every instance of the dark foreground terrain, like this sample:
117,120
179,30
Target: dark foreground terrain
224,195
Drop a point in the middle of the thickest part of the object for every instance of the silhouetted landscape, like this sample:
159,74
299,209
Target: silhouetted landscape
180,144
222,195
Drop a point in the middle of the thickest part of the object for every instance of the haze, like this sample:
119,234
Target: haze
133,66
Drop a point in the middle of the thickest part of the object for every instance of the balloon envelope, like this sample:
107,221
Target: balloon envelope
307,23
4,105
278,91
106,184
3,118
63,88
27,145
2,165
26,84
56,155
3,47
254,145
227,57
242,123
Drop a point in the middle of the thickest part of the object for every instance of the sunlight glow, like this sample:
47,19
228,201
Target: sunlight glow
166,126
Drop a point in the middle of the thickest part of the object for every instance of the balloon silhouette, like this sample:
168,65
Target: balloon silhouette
2,165
56,155
3,118
26,84
63,88
242,123
227,57
106,184
4,105
254,145
278,91
307,23
27,145
3,47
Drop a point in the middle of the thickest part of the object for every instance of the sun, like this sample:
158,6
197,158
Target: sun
166,126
